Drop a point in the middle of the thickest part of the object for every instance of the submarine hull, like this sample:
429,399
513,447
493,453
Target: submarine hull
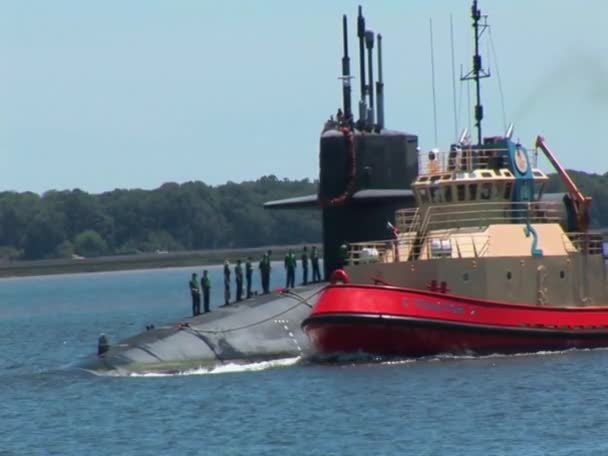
264,327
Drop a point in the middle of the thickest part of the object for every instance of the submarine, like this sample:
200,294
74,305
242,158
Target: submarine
364,168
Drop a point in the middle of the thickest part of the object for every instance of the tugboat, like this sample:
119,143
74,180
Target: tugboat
482,264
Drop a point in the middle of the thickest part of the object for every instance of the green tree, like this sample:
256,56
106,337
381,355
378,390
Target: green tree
90,244
42,236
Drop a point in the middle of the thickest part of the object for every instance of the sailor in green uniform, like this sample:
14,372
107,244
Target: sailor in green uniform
265,273
206,286
290,266
304,259
238,277
195,292
248,275
314,259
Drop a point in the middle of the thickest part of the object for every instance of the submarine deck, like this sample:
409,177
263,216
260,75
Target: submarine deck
263,327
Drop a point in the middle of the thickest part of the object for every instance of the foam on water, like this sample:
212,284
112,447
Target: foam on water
228,368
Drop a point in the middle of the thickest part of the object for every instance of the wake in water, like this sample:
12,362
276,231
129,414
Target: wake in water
337,359
229,368
362,358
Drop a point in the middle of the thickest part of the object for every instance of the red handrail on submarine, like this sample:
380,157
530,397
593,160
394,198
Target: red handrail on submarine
350,185
580,202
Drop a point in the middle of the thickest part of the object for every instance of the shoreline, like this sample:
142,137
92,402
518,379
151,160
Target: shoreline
142,261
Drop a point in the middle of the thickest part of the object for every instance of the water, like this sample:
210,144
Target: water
525,405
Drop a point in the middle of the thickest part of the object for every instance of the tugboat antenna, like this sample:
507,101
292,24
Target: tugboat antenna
477,73
433,81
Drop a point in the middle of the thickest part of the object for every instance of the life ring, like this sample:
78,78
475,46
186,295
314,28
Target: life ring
338,276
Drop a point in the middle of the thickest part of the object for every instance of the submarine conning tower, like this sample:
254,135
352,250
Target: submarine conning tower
365,170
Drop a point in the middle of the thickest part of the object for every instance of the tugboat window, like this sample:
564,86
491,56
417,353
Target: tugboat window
508,188
486,191
538,190
465,276
461,192
422,195
509,275
562,274
473,192
447,193
434,194
498,190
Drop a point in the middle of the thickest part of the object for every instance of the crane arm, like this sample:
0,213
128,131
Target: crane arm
581,202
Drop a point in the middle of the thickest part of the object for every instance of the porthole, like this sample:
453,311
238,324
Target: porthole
509,275
562,274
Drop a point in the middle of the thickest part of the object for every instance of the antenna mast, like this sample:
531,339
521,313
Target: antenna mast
361,36
477,73
346,77
433,81
380,87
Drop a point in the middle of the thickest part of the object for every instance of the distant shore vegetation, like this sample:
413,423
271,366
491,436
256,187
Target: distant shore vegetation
172,218
182,217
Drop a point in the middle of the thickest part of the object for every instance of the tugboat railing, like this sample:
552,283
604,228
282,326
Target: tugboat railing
588,243
408,220
455,244
479,215
435,161
471,245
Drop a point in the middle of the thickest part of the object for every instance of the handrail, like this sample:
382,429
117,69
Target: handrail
462,245
479,214
465,159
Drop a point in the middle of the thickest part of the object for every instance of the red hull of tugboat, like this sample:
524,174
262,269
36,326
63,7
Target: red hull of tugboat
386,320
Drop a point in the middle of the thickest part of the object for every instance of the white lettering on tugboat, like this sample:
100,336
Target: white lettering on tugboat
438,306
435,306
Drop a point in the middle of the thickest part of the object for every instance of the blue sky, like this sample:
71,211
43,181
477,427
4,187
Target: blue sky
132,94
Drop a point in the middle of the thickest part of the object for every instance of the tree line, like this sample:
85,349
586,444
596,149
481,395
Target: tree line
178,217
173,217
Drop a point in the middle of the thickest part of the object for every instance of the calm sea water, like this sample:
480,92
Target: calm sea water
554,404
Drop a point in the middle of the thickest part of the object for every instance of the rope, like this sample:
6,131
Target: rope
350,185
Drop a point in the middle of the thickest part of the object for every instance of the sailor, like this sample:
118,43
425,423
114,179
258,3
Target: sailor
206,286
238,277
433,162
248,275
269,262
340,116
290,266
395,242
304,259
195,292
226,282
264,272
314,258
102,344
